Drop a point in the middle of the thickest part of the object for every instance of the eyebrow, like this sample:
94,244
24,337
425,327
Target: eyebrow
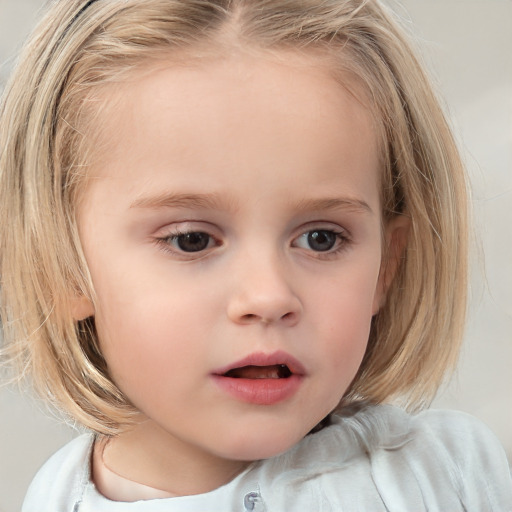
203,201
216,201
335,203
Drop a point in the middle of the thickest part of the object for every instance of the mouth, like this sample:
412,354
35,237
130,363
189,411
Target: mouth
274,371
259,365
261,379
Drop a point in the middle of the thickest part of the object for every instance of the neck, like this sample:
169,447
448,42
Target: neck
153,457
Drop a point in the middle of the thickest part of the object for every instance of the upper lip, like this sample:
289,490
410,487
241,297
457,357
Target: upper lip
262,359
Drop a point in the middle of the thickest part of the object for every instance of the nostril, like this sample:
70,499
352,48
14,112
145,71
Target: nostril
253,318
264,304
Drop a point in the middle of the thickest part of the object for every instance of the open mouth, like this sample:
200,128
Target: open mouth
274,371
262,379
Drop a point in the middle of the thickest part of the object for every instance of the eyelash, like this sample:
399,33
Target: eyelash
342,242
165,242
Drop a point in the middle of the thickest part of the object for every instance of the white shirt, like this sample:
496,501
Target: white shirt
378,459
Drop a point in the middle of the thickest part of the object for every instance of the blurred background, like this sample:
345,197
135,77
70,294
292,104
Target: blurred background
467,46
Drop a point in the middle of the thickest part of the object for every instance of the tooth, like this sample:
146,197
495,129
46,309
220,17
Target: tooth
260,372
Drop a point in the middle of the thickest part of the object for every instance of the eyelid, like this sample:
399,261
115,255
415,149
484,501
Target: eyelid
187,226
342,235
172,231
321,226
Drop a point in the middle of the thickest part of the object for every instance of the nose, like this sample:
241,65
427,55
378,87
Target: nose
263,294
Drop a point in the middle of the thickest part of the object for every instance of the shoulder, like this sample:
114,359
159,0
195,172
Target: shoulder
447,456
461,437
452,432
477,459
61,480
382,458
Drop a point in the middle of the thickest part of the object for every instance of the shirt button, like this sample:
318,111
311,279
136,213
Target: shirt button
253,502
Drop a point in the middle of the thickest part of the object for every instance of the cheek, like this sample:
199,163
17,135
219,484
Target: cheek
150,332
346,308
346,300
346,342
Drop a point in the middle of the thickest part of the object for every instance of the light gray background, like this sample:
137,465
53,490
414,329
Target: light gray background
467,44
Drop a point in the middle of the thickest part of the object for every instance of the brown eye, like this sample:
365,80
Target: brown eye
191,242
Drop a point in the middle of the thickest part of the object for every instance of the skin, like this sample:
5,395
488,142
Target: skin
256,152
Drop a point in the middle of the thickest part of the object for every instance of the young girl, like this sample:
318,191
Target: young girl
232,231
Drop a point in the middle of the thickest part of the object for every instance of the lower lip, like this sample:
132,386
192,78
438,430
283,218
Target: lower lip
259,391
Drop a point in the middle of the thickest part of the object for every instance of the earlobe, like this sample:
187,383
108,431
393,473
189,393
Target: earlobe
81,308
395,240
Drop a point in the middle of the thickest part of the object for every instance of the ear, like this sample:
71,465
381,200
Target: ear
81,308
395,240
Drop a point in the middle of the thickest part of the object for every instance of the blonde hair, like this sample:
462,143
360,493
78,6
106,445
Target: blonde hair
46,121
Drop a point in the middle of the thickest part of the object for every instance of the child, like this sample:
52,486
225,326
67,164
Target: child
233,230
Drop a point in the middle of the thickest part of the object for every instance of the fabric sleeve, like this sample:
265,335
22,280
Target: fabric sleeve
58,485
477,460
447,461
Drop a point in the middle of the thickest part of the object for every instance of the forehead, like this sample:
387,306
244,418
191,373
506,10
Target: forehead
235,112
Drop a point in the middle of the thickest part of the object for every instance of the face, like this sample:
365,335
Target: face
234,238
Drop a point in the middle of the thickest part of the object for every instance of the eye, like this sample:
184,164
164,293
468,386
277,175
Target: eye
320,240
193,241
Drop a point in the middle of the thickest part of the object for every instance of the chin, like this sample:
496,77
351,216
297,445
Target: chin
264,443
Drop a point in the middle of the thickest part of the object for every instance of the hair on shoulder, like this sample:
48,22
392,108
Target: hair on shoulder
53,100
